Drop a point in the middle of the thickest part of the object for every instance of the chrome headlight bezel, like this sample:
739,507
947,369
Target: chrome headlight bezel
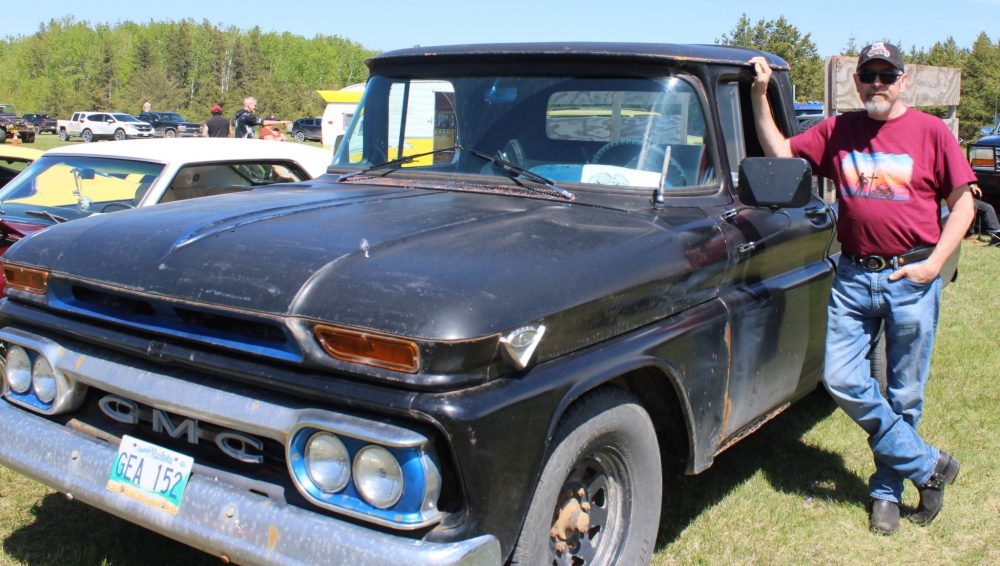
59,392
415,508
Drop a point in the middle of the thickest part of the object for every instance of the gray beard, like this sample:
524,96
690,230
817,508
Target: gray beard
877,106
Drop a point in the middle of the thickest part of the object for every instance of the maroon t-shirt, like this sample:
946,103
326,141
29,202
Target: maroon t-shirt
890,177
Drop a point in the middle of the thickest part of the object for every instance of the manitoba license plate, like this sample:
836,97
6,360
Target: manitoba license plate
150,474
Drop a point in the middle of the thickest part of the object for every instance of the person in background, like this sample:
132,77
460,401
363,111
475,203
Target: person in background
146,106
891,165
986,216
268,132
216,126
246,120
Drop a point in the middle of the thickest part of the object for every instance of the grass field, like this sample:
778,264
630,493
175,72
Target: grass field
792,493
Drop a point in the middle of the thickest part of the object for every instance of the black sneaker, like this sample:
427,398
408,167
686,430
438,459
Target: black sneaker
995,238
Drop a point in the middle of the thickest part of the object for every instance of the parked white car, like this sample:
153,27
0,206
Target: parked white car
74,181
90,126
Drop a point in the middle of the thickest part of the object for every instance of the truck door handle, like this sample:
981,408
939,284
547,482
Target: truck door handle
821,210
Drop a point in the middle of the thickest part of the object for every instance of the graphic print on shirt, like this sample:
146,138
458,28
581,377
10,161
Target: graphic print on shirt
876,175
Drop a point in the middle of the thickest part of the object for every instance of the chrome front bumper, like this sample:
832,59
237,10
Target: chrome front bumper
219,515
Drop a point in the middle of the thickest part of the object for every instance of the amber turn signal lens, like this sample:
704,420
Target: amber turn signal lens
26,279
369,349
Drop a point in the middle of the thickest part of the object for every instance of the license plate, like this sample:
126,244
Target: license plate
150,474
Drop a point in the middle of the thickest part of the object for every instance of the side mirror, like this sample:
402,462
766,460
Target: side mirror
782,182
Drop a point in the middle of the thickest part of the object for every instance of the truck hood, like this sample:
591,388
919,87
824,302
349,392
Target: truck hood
427,264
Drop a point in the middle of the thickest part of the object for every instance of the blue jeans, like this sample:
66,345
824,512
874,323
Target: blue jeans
860,302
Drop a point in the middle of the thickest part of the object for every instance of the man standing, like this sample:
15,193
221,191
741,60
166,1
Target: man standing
891,165
246,120
216,126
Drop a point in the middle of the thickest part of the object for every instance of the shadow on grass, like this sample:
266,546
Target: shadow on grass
777,451
67,532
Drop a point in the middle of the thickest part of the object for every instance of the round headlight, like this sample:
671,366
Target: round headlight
43,380
378,477
327,461
18,370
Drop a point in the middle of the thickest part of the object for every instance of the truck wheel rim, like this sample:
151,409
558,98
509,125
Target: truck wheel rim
588,520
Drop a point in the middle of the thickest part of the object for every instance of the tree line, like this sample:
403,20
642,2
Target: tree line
188,66
181,66
980,65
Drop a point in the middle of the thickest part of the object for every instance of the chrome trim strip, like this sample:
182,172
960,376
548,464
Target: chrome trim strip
188,399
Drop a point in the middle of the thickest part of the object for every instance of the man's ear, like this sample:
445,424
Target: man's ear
902,82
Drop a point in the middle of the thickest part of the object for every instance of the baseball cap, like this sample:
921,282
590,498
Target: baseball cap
216,109
881,51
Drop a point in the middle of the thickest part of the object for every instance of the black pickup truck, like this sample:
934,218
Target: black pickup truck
534,275
984,154
170,125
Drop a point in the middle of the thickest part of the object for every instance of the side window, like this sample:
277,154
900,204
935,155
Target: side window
731,118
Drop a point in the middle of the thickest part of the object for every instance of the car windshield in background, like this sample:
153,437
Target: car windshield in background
71,186
625,132
126,118
171,117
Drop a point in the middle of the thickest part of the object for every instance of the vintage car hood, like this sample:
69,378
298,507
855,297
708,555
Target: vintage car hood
429,264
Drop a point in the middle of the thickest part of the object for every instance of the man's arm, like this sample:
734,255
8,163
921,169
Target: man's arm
961,211
775,143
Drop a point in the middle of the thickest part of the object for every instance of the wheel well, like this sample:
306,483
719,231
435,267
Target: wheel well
654,390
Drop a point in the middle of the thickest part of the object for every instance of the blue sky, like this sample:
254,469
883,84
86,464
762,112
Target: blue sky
391,24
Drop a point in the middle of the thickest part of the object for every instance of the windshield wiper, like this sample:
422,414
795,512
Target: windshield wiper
400,161
46,214
516,171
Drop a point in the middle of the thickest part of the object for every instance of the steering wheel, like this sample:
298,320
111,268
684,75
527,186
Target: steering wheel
626,152
115,206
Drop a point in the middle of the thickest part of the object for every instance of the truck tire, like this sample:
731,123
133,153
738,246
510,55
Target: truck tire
120,135
29,137
3,135
597,501
300,136
87,136
63,136
878,361
170,133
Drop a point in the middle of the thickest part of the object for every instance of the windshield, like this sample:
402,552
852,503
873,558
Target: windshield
171,117
126,118
623,132
75,186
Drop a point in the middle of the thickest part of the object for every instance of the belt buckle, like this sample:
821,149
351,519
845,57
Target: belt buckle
873,263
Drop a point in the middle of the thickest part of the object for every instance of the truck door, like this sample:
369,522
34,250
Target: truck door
777,289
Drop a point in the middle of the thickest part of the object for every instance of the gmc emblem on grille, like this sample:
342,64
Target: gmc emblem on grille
236,445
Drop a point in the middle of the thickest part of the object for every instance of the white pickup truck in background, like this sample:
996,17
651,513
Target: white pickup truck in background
90,126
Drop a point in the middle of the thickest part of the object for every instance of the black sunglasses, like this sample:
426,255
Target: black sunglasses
887,77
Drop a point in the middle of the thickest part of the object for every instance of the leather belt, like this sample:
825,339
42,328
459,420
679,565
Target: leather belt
878,262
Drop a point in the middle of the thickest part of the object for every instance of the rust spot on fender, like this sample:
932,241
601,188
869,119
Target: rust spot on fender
272,537
79,362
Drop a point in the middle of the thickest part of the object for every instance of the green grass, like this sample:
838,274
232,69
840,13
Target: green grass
792,493
795,491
